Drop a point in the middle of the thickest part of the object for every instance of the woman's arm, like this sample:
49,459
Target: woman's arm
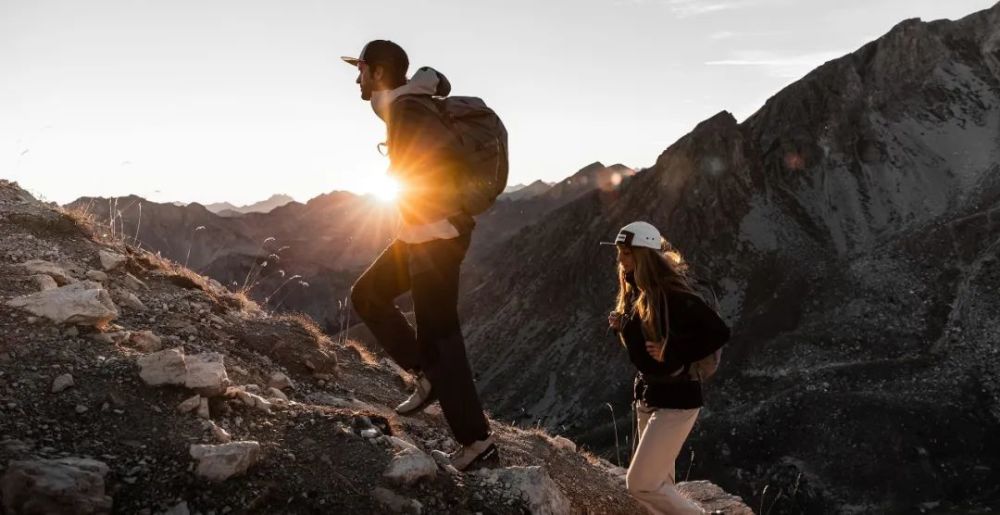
635,341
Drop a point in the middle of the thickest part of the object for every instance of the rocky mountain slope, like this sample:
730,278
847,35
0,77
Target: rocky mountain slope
850,231
129,384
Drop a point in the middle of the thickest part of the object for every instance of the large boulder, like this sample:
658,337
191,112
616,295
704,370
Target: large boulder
82,303
164,367
221,462
71,486
533,485
410,466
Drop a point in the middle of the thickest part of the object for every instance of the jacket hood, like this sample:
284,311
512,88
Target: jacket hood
426,81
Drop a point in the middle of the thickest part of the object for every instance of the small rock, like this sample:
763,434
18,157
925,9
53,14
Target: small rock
371,432
62,382
54,271
279,381
97,275
220,462
129,300
71,332
44,282
203,408
180,508
206,372
146,341
253,400
189,404
395,502
111,260
410,466
561,442
81,409
277,394
133,283
61,486
221,434
163,367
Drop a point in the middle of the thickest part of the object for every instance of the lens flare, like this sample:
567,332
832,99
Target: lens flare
384,188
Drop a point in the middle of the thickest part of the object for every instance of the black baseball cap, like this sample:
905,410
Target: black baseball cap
381,52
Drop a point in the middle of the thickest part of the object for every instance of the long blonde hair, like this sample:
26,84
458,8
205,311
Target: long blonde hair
656,274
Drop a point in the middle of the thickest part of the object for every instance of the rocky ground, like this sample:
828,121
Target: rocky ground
131,385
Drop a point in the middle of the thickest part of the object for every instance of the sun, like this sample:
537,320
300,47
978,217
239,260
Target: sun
384,188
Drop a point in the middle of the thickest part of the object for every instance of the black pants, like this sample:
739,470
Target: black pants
430,271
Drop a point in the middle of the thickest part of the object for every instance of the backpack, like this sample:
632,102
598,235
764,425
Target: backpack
706,367
482,140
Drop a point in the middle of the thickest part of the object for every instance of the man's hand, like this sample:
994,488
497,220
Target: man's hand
655,350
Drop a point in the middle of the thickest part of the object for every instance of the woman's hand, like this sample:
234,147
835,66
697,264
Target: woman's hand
655,350
615,320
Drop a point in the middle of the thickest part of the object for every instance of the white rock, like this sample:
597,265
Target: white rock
65,485
164,367
97,275
111,260
220,462
56,272
371,432
534,486
83,303
146,341
133,283
279,381
409,466
396,503
62,382
203,411
189,404
44,282
206,372
253,400
129,300
81,409
275,393
221,434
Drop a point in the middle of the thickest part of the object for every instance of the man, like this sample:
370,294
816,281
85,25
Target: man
428,252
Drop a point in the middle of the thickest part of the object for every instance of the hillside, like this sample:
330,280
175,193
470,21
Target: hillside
849,230
132,385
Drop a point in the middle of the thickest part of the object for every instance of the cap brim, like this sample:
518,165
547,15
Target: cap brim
608,243
353,61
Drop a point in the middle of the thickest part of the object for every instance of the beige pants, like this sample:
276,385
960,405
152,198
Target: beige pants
650,478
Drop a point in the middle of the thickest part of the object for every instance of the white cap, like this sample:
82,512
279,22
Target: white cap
638,234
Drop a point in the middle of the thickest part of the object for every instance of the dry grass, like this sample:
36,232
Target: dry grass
308,325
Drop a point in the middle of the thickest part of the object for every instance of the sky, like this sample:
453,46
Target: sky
235,100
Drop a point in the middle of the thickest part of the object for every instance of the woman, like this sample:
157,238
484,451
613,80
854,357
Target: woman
667,329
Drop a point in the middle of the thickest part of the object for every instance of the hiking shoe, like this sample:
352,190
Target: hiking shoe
477,451
422,397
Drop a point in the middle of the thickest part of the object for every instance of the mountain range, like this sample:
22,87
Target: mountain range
848,230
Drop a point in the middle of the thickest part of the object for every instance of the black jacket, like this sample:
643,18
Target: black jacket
696,331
